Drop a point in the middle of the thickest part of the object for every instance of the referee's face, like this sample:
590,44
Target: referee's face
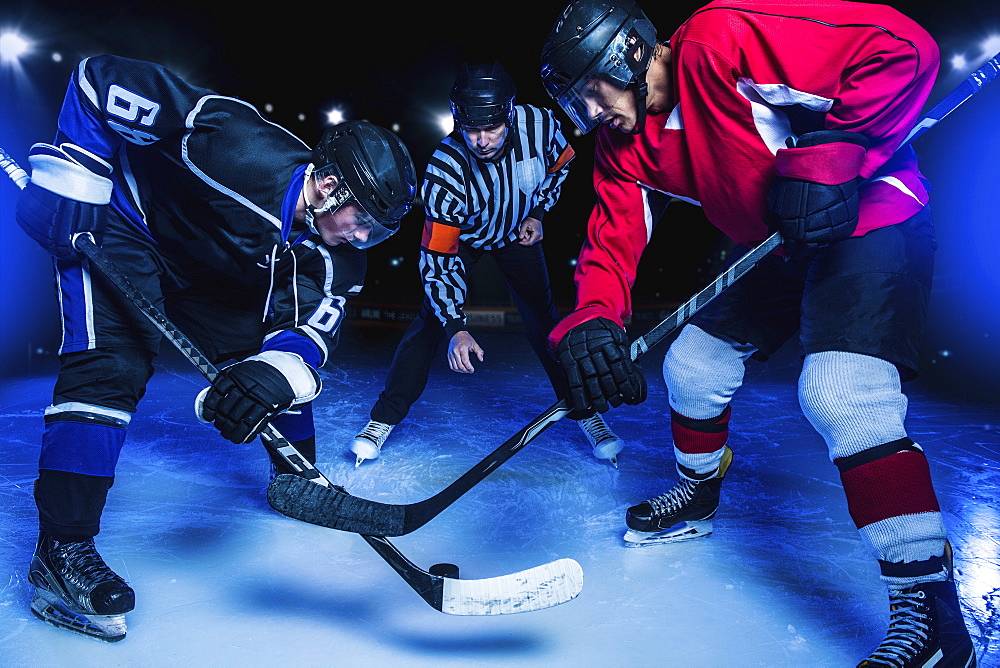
484,142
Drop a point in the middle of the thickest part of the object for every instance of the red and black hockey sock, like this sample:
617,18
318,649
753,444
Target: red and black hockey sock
698,444
892,502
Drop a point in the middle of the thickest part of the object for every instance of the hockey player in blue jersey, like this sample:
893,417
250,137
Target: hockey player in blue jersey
248,239
486,189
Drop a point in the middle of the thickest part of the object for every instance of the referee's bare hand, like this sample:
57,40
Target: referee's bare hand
529,232
461,349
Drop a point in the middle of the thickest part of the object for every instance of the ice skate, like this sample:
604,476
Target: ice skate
604,441
683,513
925,629
368,444
75,590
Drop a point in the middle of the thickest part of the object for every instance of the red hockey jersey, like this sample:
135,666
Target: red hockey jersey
745,74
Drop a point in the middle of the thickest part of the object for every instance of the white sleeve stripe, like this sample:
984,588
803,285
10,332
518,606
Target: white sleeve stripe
766,101
78,407
189,123
896,183
85,84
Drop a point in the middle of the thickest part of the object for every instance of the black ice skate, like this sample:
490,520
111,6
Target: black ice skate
925,629
683,513
75,589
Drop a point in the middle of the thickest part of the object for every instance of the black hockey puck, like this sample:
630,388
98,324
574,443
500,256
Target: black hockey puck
445,570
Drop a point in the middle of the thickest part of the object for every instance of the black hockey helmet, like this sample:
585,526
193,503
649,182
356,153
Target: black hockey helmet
607,39
483,95
373,168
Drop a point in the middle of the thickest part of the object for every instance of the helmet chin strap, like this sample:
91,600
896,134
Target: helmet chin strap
641,92
336,199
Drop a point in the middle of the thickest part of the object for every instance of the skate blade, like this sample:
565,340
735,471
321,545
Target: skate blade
675,534
51,610
609,449
363,449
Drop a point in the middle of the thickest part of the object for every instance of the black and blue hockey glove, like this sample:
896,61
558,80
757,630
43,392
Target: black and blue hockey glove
68,195
599,369
247,395
814,200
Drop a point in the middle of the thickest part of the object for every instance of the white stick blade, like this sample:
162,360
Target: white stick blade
534,589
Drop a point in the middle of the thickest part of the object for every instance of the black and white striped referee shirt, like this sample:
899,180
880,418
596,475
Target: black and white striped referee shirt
479,203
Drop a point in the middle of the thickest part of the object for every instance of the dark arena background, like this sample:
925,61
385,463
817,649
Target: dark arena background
223,580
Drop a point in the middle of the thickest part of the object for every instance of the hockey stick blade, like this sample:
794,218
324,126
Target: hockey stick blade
534,589
537,588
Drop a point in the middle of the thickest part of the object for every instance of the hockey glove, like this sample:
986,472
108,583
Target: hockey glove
68,195
814,200
247,395
599,369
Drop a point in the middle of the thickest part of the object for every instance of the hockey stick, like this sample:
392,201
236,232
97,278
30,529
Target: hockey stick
338,509
335,508
525,591
971,85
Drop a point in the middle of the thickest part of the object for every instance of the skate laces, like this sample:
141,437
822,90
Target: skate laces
674,499
596,429
82,565
909,628
376,432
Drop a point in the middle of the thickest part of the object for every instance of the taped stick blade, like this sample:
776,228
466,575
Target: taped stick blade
332,507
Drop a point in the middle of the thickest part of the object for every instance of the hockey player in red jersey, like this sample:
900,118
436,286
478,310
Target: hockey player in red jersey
772,116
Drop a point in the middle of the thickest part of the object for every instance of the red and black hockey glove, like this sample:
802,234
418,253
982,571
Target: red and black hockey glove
68,195
814,199
249,394
599,369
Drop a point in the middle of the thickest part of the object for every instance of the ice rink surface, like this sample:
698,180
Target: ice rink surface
223,580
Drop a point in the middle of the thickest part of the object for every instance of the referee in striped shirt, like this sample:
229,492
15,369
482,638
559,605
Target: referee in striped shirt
486,190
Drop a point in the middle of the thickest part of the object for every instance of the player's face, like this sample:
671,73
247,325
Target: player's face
347,224
484,142
607,103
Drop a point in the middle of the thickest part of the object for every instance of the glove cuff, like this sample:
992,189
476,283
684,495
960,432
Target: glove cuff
302,378
830,157
57,171
829,164
579,317
199,404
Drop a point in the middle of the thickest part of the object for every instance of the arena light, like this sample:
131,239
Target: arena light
447,123
334,116
13,46
989,48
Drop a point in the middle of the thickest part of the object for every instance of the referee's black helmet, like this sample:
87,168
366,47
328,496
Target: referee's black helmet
483,96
